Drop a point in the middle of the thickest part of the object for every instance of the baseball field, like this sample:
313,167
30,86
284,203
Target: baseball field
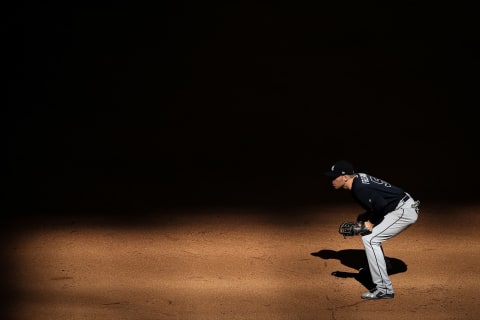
232,263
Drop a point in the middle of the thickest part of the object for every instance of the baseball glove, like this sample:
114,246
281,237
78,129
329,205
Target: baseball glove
350,229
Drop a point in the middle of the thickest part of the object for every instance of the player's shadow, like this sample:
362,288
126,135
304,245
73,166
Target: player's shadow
356,259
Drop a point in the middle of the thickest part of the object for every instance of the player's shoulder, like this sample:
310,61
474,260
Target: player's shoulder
364,178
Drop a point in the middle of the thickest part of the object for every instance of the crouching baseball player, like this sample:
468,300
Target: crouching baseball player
389,210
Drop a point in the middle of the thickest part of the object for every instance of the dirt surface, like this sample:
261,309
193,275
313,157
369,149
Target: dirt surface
235,264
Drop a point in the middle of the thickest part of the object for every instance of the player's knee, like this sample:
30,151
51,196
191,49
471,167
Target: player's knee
370,241
367,240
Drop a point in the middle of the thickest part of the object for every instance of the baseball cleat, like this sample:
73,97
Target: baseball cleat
377,295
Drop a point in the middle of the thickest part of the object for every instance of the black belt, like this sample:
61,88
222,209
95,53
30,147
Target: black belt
402,201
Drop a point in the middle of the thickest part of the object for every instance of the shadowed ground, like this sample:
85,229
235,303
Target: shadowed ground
235,263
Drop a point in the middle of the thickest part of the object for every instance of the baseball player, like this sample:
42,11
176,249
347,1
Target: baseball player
389,211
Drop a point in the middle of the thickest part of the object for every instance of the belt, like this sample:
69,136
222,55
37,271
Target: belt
403,200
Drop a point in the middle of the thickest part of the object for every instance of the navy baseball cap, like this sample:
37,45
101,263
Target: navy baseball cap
340,168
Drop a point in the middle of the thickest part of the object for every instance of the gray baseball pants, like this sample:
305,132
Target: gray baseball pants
394,222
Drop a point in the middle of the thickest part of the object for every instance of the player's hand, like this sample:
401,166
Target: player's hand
369,225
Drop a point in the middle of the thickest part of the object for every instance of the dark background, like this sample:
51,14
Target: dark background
119,106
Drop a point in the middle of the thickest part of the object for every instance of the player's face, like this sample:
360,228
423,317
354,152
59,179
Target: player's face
338,182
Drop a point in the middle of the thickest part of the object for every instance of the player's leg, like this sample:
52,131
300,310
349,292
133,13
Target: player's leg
392,224
376,262
387,229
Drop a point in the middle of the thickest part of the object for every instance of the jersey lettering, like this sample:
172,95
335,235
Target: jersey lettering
366,180
380,181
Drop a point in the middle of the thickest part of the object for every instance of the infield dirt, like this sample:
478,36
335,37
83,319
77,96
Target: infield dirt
231,263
